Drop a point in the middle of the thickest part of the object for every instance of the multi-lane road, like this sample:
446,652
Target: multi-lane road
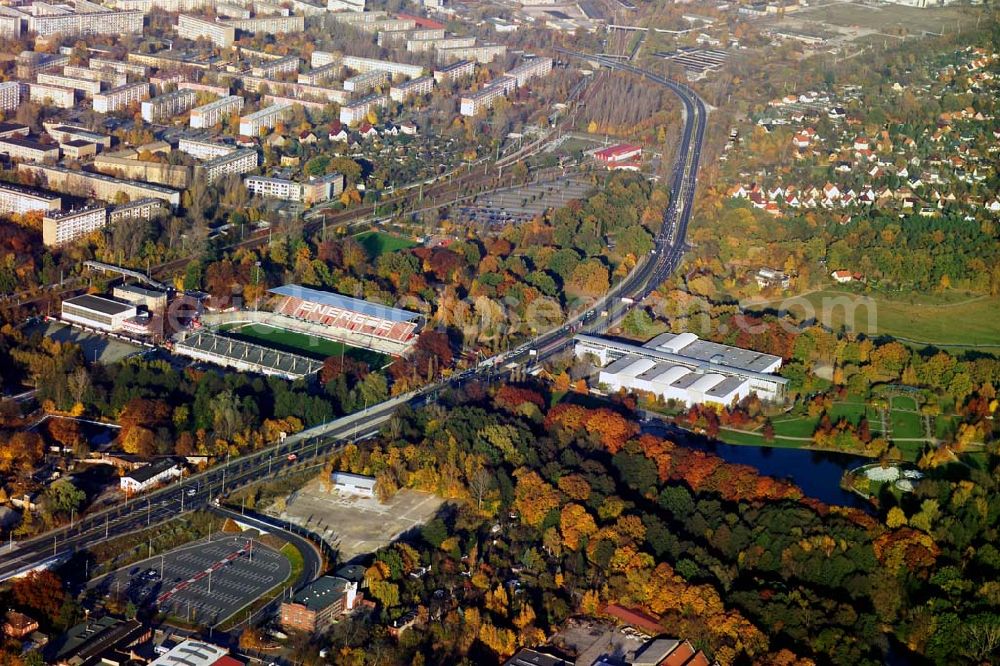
297,451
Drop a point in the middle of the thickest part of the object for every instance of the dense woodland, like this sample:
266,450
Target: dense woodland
591,511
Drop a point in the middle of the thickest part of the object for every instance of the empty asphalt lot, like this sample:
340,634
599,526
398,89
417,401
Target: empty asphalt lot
205,582
357,525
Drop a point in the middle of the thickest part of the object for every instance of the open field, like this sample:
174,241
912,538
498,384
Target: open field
353,524
377,243
932,322
300,343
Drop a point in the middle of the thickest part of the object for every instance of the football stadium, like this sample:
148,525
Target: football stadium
305,326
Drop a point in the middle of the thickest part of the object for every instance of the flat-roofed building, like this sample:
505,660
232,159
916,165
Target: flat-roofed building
66,133
483,99
353,484
455,72
101,312
121,97
215,112
61,227
153,300
145,478
428,45
317,606
266,118
10,95
686,369
139,209
367,82
88,19
274,188
296,90
19,199
55,96
483,53
29,150
320,75
204,149
391,37
423,85
268,25
354,112
236,162
361,65
11,130
10,26
193,27
195,653
128,68
164,107
29,63
78,149
87,87
360,17
386,24
276,67
97,185
108,77
530,69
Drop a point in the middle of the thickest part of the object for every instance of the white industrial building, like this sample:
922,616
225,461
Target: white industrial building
144,478
100,312
354,484
684,368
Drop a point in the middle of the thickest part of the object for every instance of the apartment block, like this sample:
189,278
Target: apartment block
88,88
10,95
346,5
420,86
28,150
276,67
87,19
273,188
530,69
29,63
391,37
362,65
10,26
214,112
48,95
67,133
221,91
456,71
124,165
236,162
266,118
300,91
269,25
97,185
386,24
427,45
61,227
167,106
367,82
12,130
226,10
138,209
361,17
321,75
127,68
21,200
109,77
204,150
121,97
483,53
483,99
355,112
78,150
193,27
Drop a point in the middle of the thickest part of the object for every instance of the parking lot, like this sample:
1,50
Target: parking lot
203,583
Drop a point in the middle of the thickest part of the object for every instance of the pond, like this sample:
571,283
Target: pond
817,473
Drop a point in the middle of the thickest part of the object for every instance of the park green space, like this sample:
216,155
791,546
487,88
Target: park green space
377,243
937,319
300,343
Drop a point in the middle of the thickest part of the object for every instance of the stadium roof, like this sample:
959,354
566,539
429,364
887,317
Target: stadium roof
345,303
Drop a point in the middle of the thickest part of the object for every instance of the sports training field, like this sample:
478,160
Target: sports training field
377,243
306,345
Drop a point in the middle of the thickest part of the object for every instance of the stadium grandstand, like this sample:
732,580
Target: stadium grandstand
349,320
244,356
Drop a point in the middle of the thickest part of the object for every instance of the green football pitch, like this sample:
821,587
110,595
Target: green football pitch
300,343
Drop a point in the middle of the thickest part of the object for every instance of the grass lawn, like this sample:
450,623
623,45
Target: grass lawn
906,425
852,411
904,402
800,426
911,450
377,243
944,426
306,345
741,437
931,322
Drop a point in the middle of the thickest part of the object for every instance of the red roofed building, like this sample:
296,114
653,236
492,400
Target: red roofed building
228,661
635,618
619,156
